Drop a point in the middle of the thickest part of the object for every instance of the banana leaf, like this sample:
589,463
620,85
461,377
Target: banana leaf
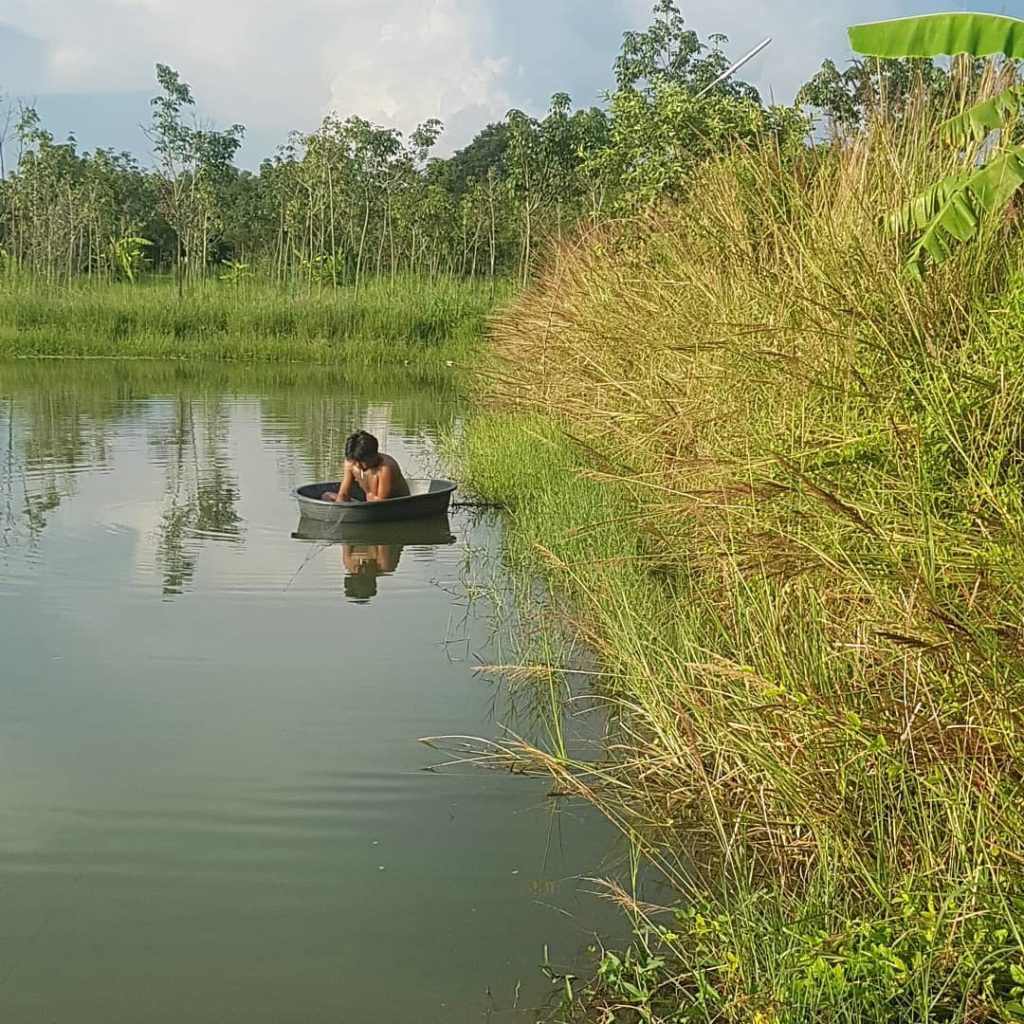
975,123
918,214
936,35
952,210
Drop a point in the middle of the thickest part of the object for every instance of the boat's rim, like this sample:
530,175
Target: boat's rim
448,488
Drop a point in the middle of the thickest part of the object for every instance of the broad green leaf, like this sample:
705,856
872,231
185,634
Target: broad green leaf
952,210
975,123
937,35
921,210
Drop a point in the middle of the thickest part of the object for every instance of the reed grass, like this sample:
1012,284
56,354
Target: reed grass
382,323
777,488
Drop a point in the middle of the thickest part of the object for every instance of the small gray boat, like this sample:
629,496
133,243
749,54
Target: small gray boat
426,498
434,531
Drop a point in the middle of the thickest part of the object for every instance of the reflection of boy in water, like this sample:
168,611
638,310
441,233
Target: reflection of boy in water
370,475
363,564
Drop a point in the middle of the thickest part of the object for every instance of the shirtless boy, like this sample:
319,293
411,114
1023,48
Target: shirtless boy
370,475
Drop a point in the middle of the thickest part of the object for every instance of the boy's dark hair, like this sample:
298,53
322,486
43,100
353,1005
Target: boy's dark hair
361,447
361,586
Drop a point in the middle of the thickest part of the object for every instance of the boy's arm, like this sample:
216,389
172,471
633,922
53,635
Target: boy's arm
346,484
382,484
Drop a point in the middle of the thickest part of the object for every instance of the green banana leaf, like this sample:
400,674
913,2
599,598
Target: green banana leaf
976,122
936,35
918,214
952,210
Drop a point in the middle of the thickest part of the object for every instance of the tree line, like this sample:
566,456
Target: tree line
353,199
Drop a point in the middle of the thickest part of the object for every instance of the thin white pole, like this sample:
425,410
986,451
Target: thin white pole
732,71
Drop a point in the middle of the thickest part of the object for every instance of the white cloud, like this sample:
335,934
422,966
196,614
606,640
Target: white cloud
276,65
422,60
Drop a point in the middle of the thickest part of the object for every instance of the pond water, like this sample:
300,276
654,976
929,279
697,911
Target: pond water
214,805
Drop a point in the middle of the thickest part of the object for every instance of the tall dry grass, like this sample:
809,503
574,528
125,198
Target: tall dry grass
780,487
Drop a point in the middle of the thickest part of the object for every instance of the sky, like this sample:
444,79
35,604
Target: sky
279,65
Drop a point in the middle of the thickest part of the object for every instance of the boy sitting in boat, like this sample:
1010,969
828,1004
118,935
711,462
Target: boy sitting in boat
370,475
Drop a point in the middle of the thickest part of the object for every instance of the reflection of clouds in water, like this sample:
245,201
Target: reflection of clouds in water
377,420
242,748
26,784
318,426
182,469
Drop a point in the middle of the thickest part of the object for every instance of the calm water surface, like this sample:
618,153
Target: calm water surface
213,802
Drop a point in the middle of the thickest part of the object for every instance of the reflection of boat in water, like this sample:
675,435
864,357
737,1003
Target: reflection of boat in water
426,498
372,550
435,530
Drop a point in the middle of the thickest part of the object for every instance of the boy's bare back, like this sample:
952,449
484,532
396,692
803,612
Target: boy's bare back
379,482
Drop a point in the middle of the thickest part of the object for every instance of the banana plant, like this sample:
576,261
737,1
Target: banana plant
235,272
951,211
324,269
129,255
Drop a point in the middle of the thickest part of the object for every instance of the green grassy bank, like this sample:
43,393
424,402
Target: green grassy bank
384,322
778,489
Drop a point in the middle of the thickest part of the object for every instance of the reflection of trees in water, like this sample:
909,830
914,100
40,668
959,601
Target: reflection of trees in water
318,420
51,434
8,517
38,506
201,493
59,420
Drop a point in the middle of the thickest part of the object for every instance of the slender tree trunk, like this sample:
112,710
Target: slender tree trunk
362,243
476,250
380,244
281,252
334,243
309,244
320,248
391,238
206,242
178,266
527,240
493,232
